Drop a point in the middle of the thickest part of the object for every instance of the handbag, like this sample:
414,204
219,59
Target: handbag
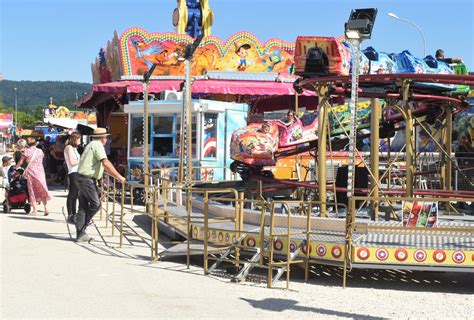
25,173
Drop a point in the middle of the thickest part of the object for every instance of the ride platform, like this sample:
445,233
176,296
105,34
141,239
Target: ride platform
375,244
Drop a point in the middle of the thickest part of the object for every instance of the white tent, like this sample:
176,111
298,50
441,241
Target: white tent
62,122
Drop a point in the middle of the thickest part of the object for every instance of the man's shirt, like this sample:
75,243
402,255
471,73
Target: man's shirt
91,160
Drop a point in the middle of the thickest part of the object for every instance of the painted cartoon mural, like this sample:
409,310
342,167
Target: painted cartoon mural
209,149
241,52
464,131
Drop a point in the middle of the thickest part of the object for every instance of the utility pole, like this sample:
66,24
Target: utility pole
185,163
16,108
146,143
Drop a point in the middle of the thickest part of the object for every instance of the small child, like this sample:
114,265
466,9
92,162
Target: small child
265,128
6,165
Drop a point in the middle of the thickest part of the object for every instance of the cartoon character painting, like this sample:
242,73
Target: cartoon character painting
272,58
210,135
146,52
241,49
241,52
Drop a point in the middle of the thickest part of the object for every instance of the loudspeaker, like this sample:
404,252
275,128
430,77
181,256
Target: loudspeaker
361,181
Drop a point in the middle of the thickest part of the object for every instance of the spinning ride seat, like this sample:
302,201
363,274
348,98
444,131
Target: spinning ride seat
321,56
407,63
379,62
251,146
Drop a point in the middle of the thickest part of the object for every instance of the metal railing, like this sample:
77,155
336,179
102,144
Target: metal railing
282,223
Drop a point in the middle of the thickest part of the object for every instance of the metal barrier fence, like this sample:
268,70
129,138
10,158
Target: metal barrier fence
464,177
187,209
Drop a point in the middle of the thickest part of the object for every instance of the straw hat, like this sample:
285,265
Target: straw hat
99,132
239,45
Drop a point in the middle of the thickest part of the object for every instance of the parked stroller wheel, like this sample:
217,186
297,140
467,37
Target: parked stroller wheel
6,207
27,208
139,196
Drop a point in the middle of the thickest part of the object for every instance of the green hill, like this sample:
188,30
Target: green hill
31,94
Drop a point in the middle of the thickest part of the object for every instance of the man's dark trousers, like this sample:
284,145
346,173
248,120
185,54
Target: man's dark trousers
88,202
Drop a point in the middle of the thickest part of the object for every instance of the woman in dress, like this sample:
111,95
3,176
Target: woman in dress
292,119
72,157
35,176
56,153
293,128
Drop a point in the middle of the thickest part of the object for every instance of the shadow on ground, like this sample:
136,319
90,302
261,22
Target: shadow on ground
279,305
41,218
425,281
433,281
42,235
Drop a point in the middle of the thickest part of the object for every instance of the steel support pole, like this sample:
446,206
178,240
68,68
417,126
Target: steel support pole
374,155
408,140
296,102
389,155
189,128
353,119
322,142
146,146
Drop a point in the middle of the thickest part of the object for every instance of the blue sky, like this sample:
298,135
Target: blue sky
58,39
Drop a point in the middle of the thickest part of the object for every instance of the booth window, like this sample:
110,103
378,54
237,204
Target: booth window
178,133
209,139
163,146
163,136
163,124
136,136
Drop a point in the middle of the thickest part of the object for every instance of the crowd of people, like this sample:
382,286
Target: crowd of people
42,163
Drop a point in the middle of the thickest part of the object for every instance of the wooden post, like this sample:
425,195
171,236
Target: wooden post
322,137
408,140
374,155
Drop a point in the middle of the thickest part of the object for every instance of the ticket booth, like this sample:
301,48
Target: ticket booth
212,127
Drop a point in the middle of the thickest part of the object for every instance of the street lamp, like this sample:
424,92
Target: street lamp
16,106
394,16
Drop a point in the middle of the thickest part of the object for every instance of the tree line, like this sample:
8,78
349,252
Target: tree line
33,96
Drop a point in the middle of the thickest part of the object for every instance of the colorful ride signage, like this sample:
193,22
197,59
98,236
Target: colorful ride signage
61,112
241,52
420,214
6,120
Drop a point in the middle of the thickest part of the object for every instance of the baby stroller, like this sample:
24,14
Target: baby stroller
16,195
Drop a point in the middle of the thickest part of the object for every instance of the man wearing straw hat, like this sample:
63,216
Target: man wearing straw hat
91,168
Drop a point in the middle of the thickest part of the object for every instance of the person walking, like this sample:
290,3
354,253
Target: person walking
91,168
35,176
56,153
20,149
72,157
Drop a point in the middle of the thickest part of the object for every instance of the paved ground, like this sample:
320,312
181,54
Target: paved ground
46,275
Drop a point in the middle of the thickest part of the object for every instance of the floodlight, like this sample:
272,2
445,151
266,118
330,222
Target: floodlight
360,23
